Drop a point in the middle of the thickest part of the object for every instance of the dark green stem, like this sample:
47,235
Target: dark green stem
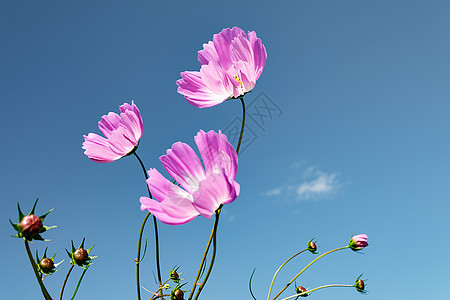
36,273
212,237
213,232
213,256
79,282
155,225
65,281
242,126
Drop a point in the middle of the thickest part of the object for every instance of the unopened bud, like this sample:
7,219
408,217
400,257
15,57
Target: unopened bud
360,285
174,275
30,226
178,295
301,289
312,247
358,242
80,256
46,265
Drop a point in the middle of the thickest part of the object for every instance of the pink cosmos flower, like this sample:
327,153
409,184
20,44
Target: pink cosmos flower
230,66
358,242
201,190
122,133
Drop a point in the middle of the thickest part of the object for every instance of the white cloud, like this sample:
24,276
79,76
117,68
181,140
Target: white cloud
322,185
308,184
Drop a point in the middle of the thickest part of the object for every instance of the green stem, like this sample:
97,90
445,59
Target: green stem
36,273
155,226
79,282
65,281
304,269
160,288
275,275
204,256
242,126
318,288
213,256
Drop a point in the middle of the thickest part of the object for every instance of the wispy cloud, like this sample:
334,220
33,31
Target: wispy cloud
310,183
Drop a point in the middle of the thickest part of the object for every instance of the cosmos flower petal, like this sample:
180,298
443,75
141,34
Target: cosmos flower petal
109,123
122,141
183,165
217,153
213,191
122,133
161,188
97,149
196,92
259,53
208,54
155,208
230,66
202,192
222,42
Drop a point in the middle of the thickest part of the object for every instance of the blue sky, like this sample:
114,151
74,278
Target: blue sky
358,141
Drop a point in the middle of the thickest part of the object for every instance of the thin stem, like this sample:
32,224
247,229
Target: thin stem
36,273
242,126
213,256
65,281
304,269
160,296
275,275
318,288
155,226
79,282
213,232
160,288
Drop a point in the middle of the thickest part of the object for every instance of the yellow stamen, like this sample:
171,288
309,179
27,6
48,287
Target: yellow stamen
238,80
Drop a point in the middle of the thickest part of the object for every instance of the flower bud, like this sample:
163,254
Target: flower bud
178,295
359,284
30,226
312,247
46,265
80,256
174,275
301,289
358,242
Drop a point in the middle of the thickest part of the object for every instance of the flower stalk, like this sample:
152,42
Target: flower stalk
155,226
317,288
305,268
278,270
36,273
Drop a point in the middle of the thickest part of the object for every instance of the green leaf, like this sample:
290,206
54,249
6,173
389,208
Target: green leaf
34,206
16,226
82,243
44,215
21,215
39,238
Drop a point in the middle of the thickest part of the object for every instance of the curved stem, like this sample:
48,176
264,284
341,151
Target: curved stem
213,232
79,282
160,288
242,126
304,269
65,281
318,288
36,273
275,275
213,256
155,226
205,254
